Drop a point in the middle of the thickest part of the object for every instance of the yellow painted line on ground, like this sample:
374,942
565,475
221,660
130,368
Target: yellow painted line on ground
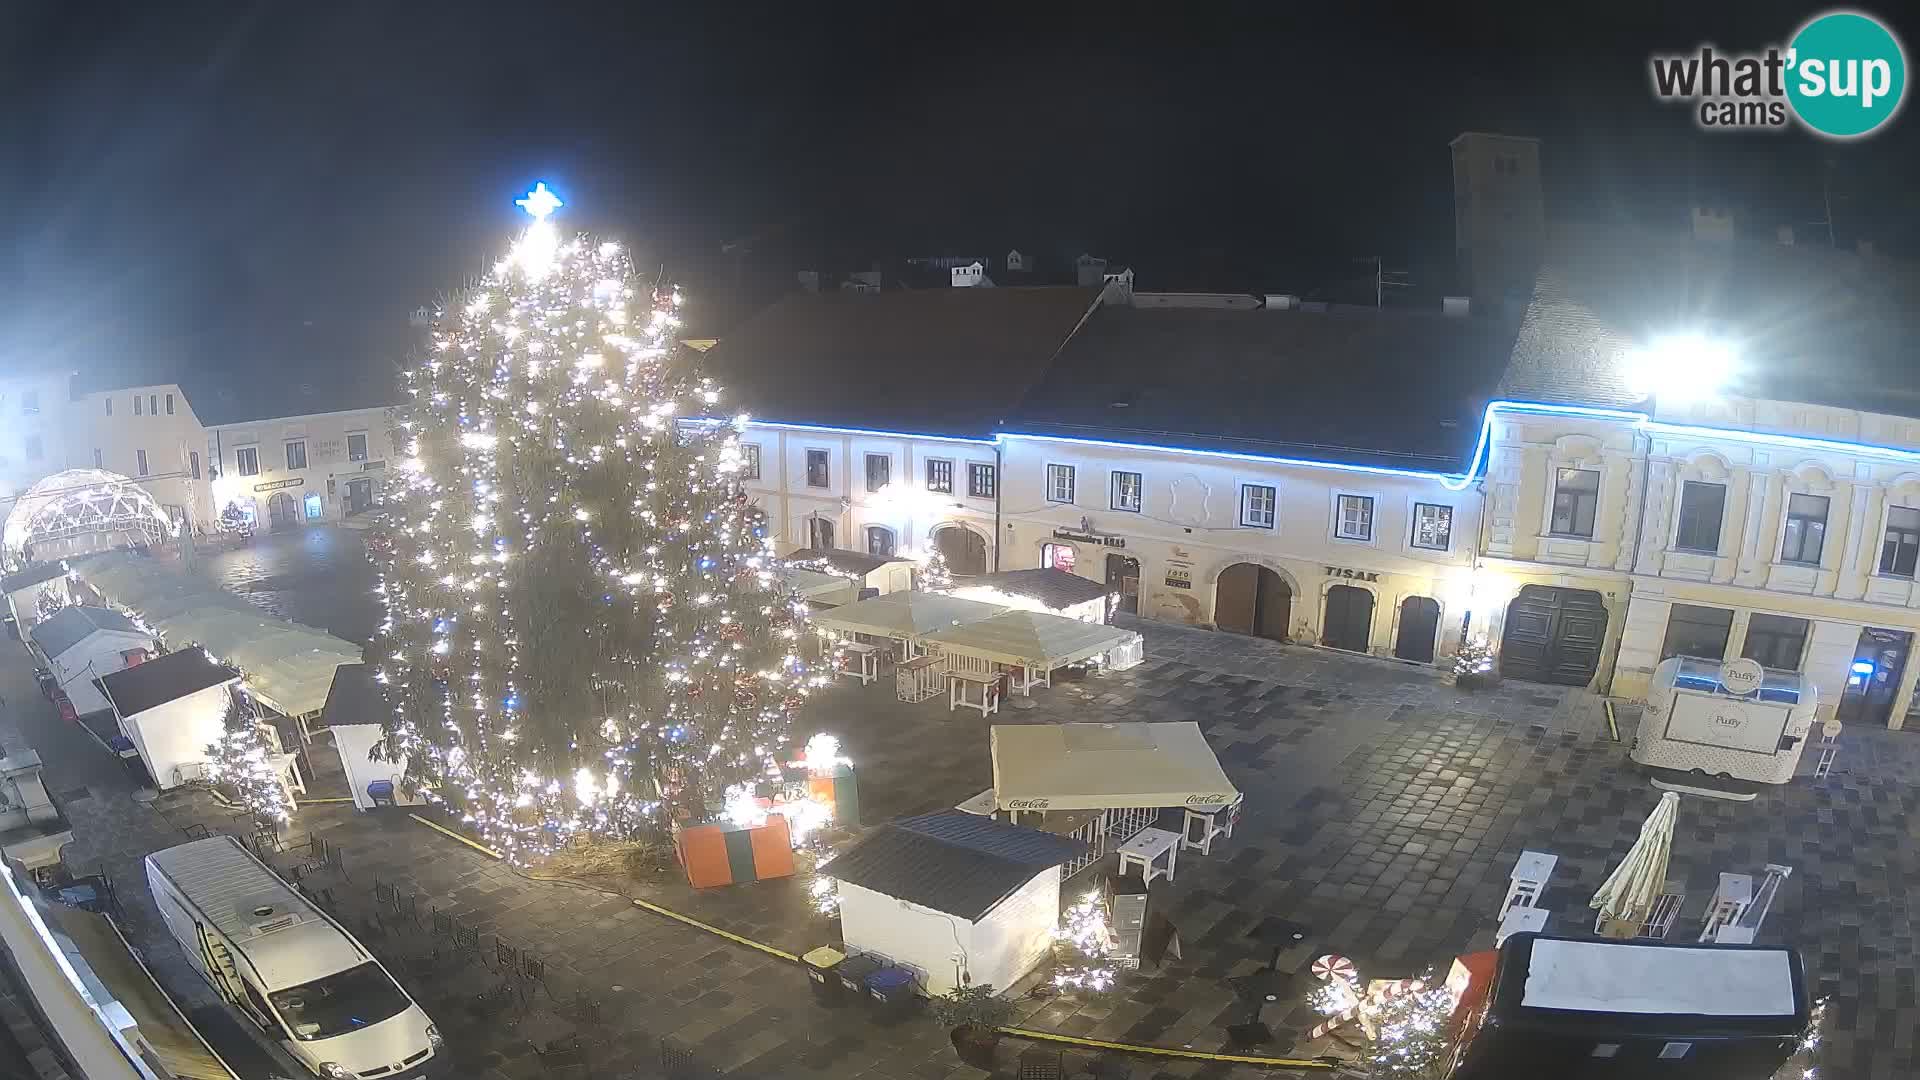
444,831
1162,1051
309,802
1612,727
712,929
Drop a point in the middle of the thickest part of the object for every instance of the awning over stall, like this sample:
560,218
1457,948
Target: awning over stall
1091,766
1031,639
907,614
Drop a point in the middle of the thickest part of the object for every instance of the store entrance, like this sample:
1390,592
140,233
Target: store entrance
1873,679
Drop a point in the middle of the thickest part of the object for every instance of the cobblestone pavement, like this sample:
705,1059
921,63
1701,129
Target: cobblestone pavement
1384,811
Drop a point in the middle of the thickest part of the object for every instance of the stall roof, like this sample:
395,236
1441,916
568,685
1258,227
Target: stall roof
958,863
812,583
908,614
168,678
846,562
354,698
1090,766
1057,589
1032,639
74,624
32,575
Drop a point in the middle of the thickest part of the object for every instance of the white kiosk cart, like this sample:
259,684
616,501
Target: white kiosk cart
1733,720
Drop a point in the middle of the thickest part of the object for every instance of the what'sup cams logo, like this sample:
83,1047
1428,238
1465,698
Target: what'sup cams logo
1844,75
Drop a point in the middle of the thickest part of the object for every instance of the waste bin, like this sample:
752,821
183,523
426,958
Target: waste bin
822,964
854,971
892,992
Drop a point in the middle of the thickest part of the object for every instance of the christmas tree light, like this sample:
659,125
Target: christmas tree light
1082,943
241,760
930,572
583,633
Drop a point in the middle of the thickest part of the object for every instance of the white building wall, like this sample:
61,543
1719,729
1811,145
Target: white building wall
94,656
931,944
34,417
1018,933
178,732
339,479
165,430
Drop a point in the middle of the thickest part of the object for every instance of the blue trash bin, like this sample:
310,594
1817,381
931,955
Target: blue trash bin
893,995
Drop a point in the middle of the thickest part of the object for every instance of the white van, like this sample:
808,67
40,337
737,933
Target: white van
283,964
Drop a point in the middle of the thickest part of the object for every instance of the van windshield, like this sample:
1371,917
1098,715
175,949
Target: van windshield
342,1002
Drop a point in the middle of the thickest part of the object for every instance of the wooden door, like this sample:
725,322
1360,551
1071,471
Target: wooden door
1554,635
1419,620
1349,621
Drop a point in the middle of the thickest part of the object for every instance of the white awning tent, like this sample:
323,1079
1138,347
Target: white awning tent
907,616
1034,640
1100,766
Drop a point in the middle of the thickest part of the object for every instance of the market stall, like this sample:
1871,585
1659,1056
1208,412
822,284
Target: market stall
956,899
902,618
1124,774
1055,592
1032,645
81,644
172,708
1734,720
882,573
353,713
24,588
820,590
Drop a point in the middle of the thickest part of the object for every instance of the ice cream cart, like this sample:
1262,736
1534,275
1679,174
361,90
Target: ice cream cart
1734,720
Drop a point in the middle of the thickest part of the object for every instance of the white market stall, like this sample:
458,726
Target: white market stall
172,708
819,590
1110,781
881,573
1056,592
81,644
1034,644
1734,719
953,898
23,589
903,619
352,715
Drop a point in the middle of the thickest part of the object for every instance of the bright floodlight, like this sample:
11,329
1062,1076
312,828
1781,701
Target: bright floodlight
1683,367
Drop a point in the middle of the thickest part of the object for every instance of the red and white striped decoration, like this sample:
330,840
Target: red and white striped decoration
1333,966
1337,1020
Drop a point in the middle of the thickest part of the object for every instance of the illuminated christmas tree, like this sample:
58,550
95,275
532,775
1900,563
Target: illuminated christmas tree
583,633
241,762
930,572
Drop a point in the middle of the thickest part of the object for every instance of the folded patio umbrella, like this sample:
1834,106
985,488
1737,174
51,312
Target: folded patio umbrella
1629,893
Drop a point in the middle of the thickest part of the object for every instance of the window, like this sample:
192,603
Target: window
140,461
1057,557
1432,526
980,480
939,475
109,400
34,448
30,401
1697,631
818,473
1256,505
1355,518
97,462
356,447
879,542
1576,495
1701,508
153,404
247,460
313,505
820,534
297,454
1126,491
1806,529
193,463
169,404
136,404
879,471
1902,545
1777,641
749,461
1060,483
340,1004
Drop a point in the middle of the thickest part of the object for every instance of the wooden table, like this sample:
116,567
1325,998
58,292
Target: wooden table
958,681
867,657
1215,820
1145,848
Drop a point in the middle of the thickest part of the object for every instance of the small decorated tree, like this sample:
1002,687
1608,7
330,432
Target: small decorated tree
1473,664
1081,946
241,761
930,572
1409,1036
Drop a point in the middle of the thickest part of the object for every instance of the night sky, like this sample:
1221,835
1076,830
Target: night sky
257,195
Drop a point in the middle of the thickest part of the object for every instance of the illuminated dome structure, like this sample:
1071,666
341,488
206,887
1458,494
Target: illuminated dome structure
77,511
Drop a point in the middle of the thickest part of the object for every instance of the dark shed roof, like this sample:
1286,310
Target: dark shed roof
951,861
33,575
842,561
1807,323
354,698
1055,588
939,361
74,624
168,678
1355,386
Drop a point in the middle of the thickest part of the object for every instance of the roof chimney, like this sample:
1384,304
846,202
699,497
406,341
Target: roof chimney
1456,306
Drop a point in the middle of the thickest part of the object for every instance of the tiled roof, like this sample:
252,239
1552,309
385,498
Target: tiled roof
167,678
1055,588
959,863
1357,386
1807,323
32,575
929,361
74,624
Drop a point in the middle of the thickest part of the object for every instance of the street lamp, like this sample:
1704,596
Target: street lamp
1680,368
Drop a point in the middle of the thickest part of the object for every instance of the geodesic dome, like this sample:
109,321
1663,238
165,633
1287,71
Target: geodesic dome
84,509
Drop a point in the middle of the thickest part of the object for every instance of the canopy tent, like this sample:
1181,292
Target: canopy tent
1627,897
908,615
1032,639
1098,766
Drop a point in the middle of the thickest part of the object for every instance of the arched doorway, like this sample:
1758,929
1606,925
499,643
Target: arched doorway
280,510
1349,621
965,550
1553,635
1252,599
1419,619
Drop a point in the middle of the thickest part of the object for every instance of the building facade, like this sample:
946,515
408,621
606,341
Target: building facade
33,419
151,434
290,471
